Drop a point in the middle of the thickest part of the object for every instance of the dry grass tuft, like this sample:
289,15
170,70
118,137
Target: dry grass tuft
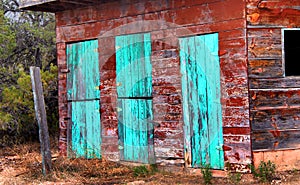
22,165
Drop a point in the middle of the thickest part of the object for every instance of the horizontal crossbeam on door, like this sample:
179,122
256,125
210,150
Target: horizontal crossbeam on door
136,98
84,100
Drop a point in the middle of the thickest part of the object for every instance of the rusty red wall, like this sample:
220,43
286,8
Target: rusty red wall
166,20
274,98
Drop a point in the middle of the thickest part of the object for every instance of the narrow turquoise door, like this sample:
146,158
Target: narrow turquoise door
134,88
83,95
202,112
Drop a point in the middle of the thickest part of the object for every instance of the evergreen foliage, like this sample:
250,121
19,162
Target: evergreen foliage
26,39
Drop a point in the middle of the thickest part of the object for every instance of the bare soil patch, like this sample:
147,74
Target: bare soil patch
22,165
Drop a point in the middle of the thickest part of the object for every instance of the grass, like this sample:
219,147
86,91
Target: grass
235,178
144,171
207,174
22,165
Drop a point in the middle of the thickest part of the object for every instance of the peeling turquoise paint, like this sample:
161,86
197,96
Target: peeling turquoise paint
134,88
134,69
202,112
83,95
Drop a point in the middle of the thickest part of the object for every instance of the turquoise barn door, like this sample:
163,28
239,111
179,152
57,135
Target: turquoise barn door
202,111
134,88
83,95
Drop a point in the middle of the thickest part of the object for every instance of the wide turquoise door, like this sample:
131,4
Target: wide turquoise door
134,88
83,95
202,112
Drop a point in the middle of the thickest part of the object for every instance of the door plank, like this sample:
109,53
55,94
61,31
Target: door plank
83,93
193,103
78,129
214,100
201,100
134,88
93,127
134,67
91,73
148,65
84,77
184,58
134,130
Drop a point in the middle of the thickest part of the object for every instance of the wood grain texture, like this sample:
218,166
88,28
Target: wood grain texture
276,98
275,83
83,80
275,140
273,13
83,95
134,120
134,67
41,117
264,43
282,119
168,21
201,100
265,68
134,89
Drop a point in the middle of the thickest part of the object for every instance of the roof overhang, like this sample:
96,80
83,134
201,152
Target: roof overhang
55,5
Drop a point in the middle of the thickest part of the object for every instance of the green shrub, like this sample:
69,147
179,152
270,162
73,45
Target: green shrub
265,171
235,178
141,171
206,173
17,114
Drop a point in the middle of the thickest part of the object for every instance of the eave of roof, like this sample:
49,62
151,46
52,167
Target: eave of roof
56,5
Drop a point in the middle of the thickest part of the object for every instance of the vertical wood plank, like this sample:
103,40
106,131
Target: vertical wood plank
41,117
193,102
184,80
83,83
214,101
148,65
143,121
134,55
201,100
93,138
150,133
119,65
121,129
70,66
92,81
78,129
134,87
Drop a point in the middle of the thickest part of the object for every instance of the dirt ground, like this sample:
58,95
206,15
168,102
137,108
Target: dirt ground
22,165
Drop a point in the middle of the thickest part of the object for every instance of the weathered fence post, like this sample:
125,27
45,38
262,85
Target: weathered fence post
40,112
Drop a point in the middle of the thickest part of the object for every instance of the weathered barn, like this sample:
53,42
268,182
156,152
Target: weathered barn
179,81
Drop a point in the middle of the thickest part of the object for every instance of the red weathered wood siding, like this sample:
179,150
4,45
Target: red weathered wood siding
166,20
274,98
